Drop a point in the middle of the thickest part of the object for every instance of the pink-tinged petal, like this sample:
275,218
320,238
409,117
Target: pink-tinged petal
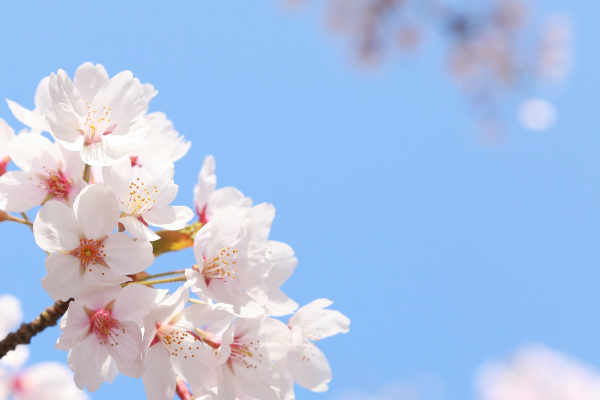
89,78
64,276
262,215
167,189
162,313
126,348
99,277
32,119
12,315
21,191
91,364
228,197
310,367
317,322
207,182
276,338
138,229
15,359
127,97
136,301
275,301
97,211
169,217
159,375
125,255
75,326
55,228
30,151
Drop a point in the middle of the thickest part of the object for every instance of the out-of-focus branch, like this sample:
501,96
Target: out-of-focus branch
49,317
182,390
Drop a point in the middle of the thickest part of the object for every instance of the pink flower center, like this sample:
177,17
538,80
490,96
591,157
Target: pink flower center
17,385
58,185
3,163
102,323
90,251
202,217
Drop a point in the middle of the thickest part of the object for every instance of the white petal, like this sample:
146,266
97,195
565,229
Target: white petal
6,135
310,367
21,191
262,216
75,326
128,100
136,301
97,154
55,228
159,375
91,363
97,211
282,258
65,109
126,348
30,151
228,197
317,323
125,255
138,230
32,119
64,276
169,217
89,78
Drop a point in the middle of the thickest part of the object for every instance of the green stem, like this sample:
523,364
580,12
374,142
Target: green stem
156,282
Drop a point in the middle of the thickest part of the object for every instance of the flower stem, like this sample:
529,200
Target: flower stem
86,173
20,221
156,282
26,218
176,272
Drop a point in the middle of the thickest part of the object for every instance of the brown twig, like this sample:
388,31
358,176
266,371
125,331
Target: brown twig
49,317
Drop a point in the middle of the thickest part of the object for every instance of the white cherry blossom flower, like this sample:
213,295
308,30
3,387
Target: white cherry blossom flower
48,172
208,199
102,332
160,144
239,266
307,364
95,114
83,250
174,346
6,136
254,349
145,196
43,381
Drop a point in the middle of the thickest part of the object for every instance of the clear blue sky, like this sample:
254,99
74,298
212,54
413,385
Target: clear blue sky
443,251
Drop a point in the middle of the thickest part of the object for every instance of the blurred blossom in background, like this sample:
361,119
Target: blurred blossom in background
41,381
497,51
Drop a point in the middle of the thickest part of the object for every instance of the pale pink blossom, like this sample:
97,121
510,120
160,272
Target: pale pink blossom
145,195
238,265
103,333
48,172
306,362
94,114
43,381
84,252
208,199
6,136
33,118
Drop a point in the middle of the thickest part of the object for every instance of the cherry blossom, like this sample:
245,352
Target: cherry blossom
208,199
102,332
33,118
48,172
145,195
238,265
94,114
160,144
307,364
175,347
83,250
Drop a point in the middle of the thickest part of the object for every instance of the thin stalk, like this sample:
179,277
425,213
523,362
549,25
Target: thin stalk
156,282
26,218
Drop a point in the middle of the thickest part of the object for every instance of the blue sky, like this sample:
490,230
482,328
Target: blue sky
444,252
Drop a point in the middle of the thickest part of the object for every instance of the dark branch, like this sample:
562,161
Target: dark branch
49,317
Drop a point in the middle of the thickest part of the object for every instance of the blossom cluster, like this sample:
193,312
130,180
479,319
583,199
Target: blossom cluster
102,169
